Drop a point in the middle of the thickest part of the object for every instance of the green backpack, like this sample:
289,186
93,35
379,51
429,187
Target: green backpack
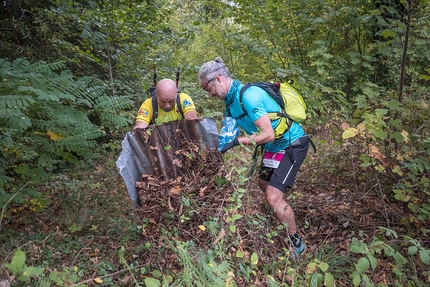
293,107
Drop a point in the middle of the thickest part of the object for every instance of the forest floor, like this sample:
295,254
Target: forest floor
90,218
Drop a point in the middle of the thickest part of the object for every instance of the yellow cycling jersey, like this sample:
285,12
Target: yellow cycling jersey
146,112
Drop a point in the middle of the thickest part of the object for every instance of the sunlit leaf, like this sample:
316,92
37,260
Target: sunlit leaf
239,254
349,133
254,258
324,266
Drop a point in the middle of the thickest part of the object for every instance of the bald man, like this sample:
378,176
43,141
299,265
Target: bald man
168,110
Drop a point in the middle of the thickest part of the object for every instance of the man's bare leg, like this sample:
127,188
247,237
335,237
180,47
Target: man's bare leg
283,211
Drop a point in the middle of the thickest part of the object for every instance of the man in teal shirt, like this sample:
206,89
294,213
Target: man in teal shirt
282,157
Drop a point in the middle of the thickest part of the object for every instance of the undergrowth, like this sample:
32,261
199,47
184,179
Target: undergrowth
89,235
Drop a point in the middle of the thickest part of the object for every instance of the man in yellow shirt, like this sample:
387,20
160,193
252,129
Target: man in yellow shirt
167,103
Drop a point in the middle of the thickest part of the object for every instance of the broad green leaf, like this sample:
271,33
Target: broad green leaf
356,278
400,260
413,207
373,261
426,206
394,105
254,258
232,228
381,112
412,250
362,265
398,137
32,271
315,280
324,266
380,134
357,248
157,273
239,254
328,280
311,267
236,217
152,282
424,255
17,263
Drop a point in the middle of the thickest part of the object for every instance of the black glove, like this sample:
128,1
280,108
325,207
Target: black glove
230,145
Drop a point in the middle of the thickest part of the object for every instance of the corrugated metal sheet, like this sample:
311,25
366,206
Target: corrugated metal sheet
161,153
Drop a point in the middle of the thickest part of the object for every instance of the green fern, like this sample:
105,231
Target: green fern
44,116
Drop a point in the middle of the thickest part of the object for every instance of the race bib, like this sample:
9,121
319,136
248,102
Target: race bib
272,159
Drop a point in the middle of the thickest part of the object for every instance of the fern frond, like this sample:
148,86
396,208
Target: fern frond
42,95
15,101
44,67
20,64
113,103
14,119
115,119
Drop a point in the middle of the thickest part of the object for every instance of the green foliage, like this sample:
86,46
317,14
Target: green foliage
345,56
380,122
380,248
18,267
45,119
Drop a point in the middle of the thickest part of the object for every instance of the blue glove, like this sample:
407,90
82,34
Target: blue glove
230,145
228,134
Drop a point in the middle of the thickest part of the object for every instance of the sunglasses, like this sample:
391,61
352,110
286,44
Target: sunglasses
205,86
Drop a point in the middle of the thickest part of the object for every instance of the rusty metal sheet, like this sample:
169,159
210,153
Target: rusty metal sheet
158,151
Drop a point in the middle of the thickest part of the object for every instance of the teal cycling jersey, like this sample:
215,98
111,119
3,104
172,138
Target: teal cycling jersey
258,103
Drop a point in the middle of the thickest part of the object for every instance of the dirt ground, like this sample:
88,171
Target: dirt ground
334,201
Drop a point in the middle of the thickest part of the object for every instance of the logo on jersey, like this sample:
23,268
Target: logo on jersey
144,113
254,110
186,103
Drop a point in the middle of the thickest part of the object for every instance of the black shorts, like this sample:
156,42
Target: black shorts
284,175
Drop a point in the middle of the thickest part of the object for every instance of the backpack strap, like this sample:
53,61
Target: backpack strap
178,104
242,90
271,89
155,106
